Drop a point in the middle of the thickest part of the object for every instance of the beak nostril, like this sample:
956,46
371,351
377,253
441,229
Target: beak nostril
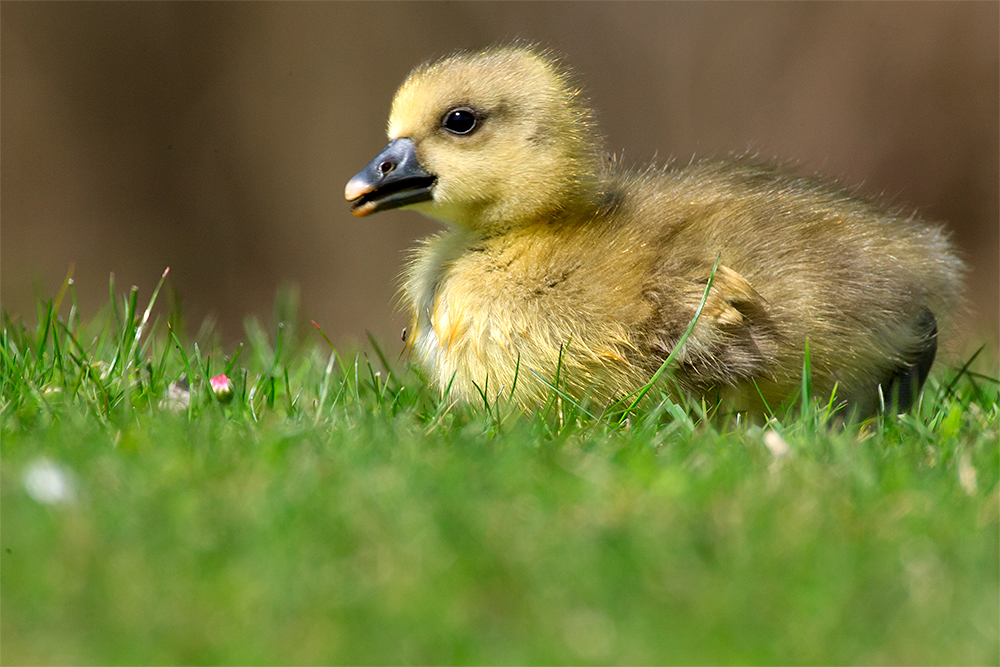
386,167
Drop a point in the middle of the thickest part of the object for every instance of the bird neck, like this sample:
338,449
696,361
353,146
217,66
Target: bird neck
574,192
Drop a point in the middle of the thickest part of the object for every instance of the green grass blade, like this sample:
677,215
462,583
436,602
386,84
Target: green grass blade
677,348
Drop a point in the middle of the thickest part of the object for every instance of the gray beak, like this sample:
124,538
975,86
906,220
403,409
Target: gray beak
394,178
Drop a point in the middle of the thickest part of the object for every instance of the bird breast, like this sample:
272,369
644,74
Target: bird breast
487,312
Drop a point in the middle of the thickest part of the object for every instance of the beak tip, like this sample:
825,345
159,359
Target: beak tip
356,188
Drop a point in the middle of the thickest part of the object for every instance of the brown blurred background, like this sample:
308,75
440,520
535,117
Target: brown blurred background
216,138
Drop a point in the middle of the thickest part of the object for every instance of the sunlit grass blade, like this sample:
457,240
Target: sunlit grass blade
563,395
232,362
149,308
323,334
324,387
382,358
677,347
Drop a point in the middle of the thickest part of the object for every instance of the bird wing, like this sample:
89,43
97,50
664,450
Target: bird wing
734,338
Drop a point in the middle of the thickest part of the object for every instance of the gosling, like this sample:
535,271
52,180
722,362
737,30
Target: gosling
557,258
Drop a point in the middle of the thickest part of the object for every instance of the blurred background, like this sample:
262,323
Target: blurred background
216,138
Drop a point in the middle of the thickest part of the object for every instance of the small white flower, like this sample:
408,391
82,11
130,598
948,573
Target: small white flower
776,444
178,396
49,483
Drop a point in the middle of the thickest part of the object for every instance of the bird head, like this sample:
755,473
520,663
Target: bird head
487,140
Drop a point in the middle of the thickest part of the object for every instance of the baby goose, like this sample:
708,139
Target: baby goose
556,256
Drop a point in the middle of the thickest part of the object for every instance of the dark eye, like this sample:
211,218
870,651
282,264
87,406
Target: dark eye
459,121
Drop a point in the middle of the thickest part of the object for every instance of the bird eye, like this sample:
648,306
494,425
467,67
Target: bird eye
459,121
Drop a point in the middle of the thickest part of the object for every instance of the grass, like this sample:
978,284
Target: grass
337,510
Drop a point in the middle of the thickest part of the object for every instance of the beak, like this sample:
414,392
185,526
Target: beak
393,179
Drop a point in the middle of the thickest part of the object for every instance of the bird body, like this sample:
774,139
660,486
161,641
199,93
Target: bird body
559,258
